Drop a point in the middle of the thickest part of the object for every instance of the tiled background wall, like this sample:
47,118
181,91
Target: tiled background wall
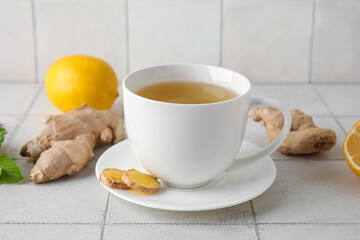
296,41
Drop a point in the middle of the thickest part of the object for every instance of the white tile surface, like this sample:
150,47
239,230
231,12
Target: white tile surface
118,107
9,123
17,41
310,192
296,96
173,31
348,122
268,41
121,211
334,153
94,28
201,232
28,130
309,232
71,199
336,49
42,105
54,232
319,194
16,98
343,100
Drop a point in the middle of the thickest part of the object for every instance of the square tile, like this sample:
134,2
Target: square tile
348,122
173,32
86,27
310,192
342,100
16,98
9,123
335,153
268,41
336,49
121,211
42,105
70,199
54,232
309,232
293,96
154,231
17,41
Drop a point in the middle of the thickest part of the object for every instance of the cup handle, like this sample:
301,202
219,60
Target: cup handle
260,102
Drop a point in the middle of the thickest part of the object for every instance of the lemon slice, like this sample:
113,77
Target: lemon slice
351,148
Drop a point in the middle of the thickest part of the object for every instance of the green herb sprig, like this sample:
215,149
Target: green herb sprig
9,171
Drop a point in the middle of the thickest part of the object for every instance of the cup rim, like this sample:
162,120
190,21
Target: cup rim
183,104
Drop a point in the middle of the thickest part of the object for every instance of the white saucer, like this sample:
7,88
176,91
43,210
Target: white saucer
229,189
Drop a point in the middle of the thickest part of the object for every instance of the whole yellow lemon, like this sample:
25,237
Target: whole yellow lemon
74,80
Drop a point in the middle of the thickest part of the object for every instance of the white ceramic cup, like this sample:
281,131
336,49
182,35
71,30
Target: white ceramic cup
188,145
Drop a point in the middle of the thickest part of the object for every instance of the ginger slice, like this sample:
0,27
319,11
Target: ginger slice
111,177
141,181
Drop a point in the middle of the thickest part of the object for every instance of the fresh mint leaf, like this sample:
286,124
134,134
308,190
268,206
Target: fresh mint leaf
10,172
2,134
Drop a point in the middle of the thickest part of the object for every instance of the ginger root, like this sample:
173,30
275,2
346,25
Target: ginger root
111,177
67,141
141,181
304,137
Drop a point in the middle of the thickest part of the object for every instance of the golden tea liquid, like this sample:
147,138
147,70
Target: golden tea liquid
186,92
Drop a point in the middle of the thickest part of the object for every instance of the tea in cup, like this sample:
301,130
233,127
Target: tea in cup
186,122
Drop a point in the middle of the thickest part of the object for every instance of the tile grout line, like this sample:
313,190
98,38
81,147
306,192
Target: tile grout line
338,122
184,224
327,116
312,40
256,224
324,116
328,108
347,116
275,159
316,116
241,224
127,36
307,160
221,31
253,83
35,41
23,116
44,223
102,234
15,82
303,83
28,115
308,223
